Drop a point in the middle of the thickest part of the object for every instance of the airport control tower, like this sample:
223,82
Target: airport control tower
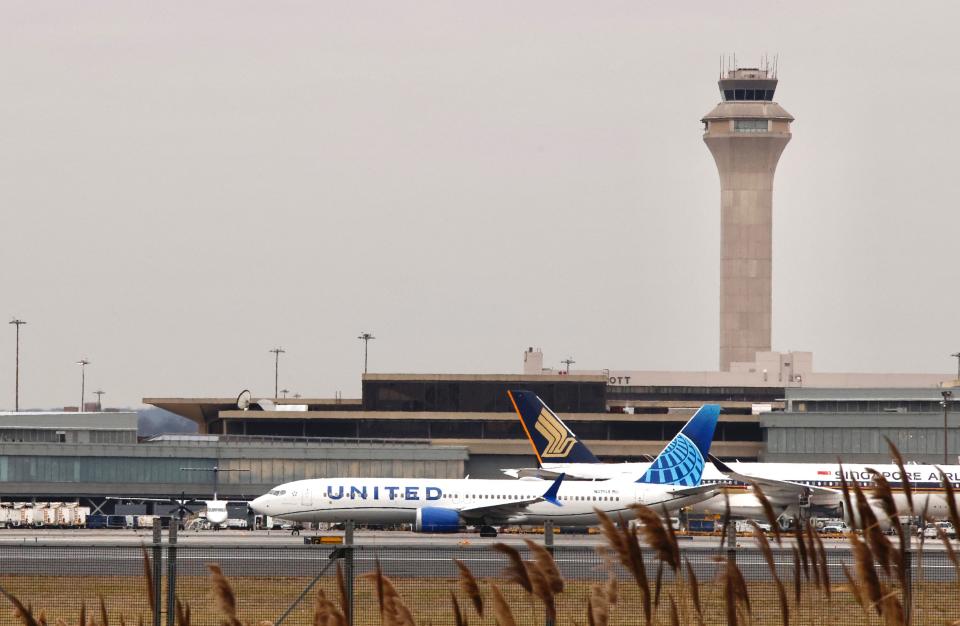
746,133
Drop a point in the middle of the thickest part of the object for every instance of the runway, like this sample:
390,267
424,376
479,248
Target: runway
277,538
401,555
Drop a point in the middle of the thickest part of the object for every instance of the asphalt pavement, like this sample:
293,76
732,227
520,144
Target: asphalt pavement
401,554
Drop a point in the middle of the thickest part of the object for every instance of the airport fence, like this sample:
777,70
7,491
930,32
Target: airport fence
279,583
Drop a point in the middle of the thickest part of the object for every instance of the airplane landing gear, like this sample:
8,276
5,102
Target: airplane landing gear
488,531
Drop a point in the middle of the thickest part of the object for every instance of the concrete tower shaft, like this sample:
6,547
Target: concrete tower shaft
746,133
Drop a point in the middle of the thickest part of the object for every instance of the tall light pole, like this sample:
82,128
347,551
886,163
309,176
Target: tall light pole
947,398
365,338
16,391
99,393
276,370
568,362
83,363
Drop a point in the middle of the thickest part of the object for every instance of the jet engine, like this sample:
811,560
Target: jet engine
437,520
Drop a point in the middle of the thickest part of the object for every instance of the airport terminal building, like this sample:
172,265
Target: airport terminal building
474,413
452,425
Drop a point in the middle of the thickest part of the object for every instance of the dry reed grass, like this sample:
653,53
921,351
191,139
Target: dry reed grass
898,459
501,608
768,511
624,544
260,597
469,586
764,546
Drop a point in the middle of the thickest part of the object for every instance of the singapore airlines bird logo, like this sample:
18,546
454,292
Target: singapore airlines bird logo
559,441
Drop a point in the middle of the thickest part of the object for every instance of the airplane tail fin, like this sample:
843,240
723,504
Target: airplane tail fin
552,441
682,461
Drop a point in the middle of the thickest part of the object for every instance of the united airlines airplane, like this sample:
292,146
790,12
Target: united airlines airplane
671,481
794,489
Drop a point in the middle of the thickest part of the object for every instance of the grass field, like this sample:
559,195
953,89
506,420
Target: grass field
265,598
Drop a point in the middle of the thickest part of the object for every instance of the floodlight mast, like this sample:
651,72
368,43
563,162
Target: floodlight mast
276,370
83,363
365,338
947,400
16,390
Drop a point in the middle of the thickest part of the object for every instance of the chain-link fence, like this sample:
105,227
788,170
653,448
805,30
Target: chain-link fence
267,581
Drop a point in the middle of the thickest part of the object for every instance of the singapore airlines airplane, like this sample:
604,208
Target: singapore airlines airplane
671,481
794,489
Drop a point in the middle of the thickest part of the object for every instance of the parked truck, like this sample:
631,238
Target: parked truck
72,516
145,521
47,516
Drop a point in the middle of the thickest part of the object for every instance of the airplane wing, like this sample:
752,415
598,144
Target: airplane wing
538,472
505,509
694,491
780,491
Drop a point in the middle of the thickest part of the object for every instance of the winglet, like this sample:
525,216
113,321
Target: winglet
551,494
550,438
722,467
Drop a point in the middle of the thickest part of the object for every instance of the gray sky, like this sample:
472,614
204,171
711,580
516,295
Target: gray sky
185,185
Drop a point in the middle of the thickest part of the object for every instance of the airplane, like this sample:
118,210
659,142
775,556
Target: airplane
215,510
796,490
672,481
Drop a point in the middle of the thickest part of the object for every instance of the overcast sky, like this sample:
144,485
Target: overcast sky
185,185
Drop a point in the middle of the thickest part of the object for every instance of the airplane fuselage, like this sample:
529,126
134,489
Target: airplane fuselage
397,500
216,511
925,481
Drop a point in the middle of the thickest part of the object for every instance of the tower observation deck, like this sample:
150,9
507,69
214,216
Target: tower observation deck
746,133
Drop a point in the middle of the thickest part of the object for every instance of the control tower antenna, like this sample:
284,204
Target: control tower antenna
746,133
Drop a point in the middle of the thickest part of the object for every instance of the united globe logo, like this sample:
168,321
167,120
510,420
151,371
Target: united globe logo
680,463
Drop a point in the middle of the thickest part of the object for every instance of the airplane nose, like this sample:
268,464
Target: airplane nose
259,505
